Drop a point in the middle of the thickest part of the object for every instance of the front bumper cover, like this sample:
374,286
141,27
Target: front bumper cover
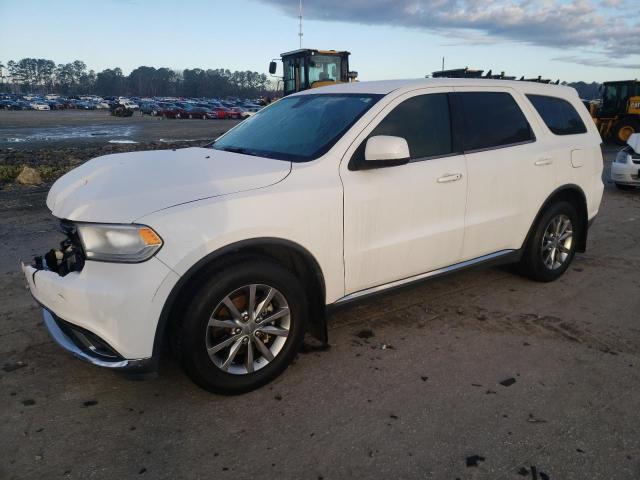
91,348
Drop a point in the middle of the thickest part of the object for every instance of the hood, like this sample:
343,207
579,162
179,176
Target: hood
634,142
122,187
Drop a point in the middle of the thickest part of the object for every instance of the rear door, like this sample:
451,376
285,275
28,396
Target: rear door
510,173
404,220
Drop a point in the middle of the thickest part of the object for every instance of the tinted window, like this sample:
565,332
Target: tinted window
558,114
298,128
424,122
491,119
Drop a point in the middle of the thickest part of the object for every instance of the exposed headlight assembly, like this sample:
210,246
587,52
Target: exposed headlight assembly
118,243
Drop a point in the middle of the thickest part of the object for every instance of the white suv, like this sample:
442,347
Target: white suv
231,252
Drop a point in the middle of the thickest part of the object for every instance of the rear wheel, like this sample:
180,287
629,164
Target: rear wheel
243,326
552,244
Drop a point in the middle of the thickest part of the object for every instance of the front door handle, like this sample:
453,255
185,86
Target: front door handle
543,161
450,177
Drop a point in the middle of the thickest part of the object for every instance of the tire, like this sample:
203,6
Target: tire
623,129
622,186
545,264
198,338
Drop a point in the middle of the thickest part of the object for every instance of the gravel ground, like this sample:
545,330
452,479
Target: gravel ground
35,130
482,374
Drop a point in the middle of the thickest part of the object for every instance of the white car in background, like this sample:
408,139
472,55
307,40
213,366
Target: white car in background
625,169
231,252
129,104
39,106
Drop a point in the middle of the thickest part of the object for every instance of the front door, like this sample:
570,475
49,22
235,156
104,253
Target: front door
404,220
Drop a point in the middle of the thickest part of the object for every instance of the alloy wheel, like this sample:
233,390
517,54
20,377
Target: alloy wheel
248,329
557,241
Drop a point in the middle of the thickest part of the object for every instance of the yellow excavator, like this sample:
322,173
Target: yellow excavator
618,115
309,68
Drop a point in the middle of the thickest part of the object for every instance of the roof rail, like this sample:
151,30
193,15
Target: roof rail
469,73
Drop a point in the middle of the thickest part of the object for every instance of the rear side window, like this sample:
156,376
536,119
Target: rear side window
424,122
491,120
558,114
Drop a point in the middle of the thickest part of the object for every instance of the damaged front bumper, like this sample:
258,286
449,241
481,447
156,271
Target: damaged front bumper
90,348
103,313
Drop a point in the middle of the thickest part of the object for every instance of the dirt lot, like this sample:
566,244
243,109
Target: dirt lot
31,129
524,380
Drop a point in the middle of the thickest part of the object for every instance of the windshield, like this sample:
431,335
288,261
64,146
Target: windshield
324,68
299,128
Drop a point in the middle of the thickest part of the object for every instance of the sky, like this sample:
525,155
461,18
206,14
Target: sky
570,40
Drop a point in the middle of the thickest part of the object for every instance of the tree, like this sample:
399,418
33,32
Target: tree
110,82
40,75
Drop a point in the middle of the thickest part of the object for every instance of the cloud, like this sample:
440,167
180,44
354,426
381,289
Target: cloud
566,24
596,62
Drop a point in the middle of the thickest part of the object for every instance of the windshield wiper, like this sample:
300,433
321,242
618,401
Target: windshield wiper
241,150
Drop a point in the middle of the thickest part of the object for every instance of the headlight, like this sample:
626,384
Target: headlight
622,157
118,243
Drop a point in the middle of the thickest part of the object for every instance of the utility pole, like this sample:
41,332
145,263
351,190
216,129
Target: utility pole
443,64
300,25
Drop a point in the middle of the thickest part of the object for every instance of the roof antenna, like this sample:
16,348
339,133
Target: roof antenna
300,29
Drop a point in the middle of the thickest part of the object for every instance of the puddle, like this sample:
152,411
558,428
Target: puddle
52,134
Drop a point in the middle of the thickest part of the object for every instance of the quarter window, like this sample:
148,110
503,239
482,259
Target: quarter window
491,119
424,122
558,114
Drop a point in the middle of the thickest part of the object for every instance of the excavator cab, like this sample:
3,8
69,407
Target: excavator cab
308,68
616,95
618,116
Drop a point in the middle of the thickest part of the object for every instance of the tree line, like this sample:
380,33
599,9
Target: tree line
39,75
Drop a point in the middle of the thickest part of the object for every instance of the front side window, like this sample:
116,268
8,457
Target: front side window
491,120
299,128
558,114
424,122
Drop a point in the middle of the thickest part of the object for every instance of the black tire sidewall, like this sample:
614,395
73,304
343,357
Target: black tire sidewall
532,264
194,357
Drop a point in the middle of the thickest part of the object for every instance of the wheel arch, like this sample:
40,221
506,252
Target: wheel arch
575,195
290,254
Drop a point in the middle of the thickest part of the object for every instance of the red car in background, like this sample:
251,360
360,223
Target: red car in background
219,112
233,112
170,110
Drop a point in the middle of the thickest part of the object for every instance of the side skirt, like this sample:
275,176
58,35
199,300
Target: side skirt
497,258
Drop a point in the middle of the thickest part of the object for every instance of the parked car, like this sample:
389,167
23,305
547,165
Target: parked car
200,112
175,245
219,113
39,106
625,169
169,110
150,108
8,105
129,104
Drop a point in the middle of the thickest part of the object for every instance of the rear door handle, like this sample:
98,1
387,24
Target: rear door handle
543,161
450,177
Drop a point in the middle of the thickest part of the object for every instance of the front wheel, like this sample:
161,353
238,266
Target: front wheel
624,129
243,326
552,244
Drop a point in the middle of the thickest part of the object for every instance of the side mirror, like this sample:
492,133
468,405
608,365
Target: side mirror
272,68
387,150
